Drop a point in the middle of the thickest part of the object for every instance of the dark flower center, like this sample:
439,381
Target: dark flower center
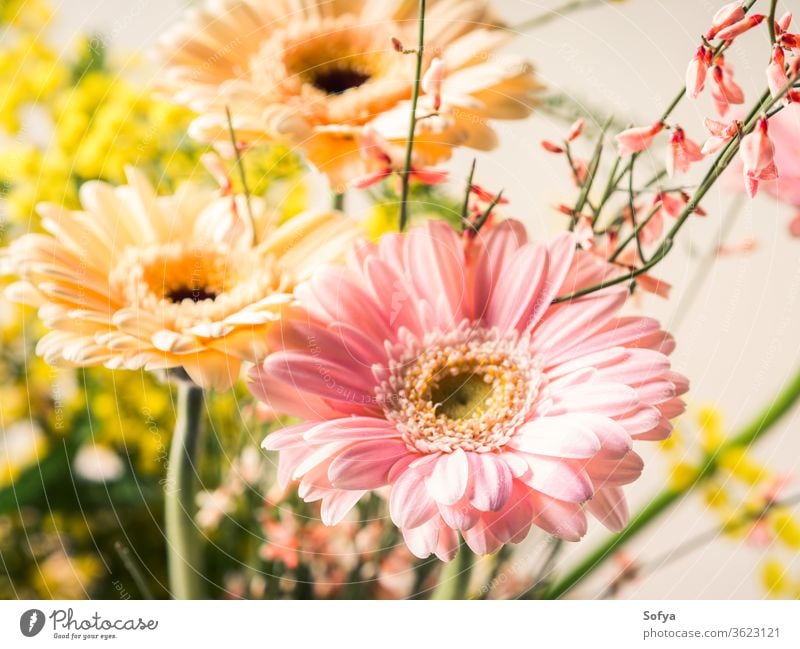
178,295
461,396
336,80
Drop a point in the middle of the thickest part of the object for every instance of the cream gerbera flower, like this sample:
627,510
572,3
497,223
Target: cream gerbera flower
314,74
136,280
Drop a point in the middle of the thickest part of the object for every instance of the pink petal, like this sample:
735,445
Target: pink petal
568,324
493,248
335,507
561,255
615,471
366,465
514,520
320,377
638,366
516,295
434,257
562,519
490,484
337,297
282,397
559,479
447,543
398,303
410,503
609,399
460,516
351,429
564,436
286,437
423,539
481,540
448,481
608,505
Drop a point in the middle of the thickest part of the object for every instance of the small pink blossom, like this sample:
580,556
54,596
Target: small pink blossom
727,91
575,130
757,153
721,134
638,138
551,147
485,196
741,247
383,160
681,152
696,72
652,230
782,24
777,79
739,28
581,170
789,41
731,13
432,82
794,226
584,233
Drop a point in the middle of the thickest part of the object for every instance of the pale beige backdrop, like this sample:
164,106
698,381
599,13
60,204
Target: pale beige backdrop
741,339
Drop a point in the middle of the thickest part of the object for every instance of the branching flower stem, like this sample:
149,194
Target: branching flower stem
412,126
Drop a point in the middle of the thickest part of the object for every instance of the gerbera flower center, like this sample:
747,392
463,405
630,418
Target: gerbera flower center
187,284
467,389
190,293
336,80
333,71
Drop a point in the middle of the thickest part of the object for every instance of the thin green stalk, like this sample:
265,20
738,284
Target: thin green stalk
242,175
771,20
637,228
467,192
184,545
481,220
751,433
412,125
455,577
337,201
591,173
133,568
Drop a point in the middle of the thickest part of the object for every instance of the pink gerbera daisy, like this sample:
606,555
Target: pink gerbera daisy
438,367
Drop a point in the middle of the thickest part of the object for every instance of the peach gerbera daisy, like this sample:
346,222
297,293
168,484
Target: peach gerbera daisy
136,280
314,74
441,370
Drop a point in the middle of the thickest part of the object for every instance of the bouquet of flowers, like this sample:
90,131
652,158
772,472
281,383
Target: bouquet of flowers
279,348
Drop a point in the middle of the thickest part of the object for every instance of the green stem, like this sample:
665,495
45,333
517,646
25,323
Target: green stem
454,578
184,546
412,126
337,201
242,174
771,20
751,433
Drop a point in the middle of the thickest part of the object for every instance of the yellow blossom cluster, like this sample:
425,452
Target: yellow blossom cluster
750,501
